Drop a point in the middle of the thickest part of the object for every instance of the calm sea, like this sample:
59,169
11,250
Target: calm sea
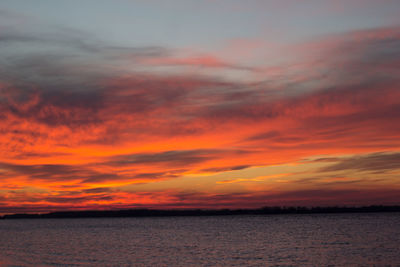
371,239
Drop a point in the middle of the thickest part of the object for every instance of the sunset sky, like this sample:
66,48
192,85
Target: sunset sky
198,104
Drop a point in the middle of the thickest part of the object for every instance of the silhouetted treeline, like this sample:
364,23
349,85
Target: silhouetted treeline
201,212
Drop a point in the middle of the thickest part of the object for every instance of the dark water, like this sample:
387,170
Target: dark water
275,240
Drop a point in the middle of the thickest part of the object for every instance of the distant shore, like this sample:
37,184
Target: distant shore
199,212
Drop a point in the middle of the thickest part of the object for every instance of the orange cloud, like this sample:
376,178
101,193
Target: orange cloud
78,138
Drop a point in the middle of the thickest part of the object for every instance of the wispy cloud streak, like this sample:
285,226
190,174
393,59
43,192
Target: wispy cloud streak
75,111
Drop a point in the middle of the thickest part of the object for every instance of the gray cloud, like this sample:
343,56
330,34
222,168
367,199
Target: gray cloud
56,172
376,162
315,197
175,158
229,168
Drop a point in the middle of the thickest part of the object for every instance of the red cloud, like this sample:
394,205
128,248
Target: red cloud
116,130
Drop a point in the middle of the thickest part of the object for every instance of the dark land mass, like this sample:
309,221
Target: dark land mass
200,212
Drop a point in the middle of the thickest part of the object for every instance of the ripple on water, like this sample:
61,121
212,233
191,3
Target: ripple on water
276,240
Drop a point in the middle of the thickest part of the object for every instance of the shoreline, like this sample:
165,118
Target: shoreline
199,212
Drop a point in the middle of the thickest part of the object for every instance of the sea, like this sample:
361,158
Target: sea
349,239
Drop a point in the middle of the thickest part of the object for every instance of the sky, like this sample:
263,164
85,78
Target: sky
198,104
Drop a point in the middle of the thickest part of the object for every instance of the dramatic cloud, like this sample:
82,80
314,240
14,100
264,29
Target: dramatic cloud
81,118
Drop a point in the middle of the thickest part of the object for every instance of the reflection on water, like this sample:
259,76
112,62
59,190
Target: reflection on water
275,240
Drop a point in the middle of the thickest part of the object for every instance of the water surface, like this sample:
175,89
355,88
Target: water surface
273,240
